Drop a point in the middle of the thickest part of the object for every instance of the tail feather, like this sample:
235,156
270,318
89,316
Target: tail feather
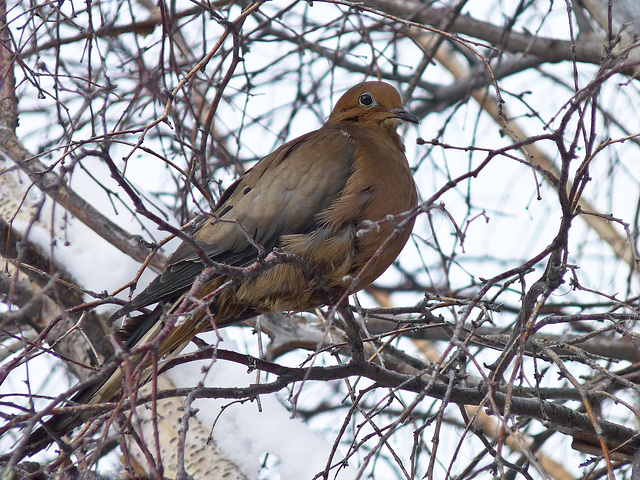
137,331
60,424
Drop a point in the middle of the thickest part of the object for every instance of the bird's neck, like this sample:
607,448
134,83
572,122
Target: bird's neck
385,128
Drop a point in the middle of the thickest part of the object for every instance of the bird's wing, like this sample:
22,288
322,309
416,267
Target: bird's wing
282,194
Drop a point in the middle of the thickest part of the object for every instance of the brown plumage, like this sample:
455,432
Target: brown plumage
309,197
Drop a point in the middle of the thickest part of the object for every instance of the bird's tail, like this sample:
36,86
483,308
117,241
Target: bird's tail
138,332
145,330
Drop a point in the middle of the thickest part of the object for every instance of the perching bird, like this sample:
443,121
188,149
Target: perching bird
310,197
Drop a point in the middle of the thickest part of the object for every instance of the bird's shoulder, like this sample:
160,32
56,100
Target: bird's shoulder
282,194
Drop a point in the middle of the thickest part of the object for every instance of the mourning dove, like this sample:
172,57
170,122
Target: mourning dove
326,197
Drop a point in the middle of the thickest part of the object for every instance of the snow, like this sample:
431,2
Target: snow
245,434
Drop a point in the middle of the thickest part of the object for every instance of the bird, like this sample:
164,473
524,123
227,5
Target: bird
327,197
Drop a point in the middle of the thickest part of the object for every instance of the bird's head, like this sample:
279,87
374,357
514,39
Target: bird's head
371,103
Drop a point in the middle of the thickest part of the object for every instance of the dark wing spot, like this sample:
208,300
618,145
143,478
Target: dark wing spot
229,191
225,210
246,190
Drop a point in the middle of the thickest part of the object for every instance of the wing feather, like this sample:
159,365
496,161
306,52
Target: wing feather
283,194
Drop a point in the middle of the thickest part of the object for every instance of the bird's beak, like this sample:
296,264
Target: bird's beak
402,114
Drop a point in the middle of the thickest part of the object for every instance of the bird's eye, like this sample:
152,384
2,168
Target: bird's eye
367,100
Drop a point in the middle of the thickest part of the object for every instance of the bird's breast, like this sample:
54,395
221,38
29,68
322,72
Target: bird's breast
381,186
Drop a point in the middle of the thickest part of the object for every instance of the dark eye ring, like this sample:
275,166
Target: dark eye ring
367,100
